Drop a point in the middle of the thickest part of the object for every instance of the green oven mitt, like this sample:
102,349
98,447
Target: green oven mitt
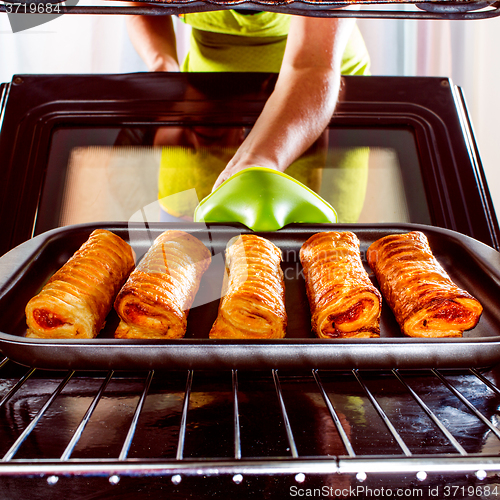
264,199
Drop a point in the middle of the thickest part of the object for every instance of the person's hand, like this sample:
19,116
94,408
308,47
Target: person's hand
164,63
240,162
154,39
226,174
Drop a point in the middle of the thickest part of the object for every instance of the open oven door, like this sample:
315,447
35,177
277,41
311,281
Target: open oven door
398,149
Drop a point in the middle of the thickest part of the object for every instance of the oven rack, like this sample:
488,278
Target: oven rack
370,9
387,422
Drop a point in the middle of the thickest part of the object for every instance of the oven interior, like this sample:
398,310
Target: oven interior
251,433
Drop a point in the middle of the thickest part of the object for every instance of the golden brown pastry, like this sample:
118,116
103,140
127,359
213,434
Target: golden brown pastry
343,301
78,297
425,301
154,302
253,293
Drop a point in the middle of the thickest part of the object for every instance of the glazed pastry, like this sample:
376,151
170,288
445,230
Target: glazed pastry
343,301
76,300
423,298
154,302
253,293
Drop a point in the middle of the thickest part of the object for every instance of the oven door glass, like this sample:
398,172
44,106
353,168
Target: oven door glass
161,173
89,148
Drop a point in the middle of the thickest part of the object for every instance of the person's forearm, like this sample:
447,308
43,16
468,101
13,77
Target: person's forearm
303,102
293,118
154,39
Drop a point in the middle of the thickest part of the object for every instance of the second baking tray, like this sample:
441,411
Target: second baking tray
471,264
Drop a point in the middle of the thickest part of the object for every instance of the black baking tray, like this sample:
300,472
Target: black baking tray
472,265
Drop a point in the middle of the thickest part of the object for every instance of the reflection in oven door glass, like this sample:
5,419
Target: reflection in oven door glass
162,173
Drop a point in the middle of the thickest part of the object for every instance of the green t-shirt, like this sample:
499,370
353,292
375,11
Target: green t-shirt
225,41
230,41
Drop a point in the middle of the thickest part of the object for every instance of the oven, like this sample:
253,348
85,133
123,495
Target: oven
202,419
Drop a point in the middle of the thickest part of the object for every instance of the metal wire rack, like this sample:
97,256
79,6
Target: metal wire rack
372,9
180,424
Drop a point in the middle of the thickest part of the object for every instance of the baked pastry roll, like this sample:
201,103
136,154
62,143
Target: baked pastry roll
425,301
253,292
154,302
343,301
76,300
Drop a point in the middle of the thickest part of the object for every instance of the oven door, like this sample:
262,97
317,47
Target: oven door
78,149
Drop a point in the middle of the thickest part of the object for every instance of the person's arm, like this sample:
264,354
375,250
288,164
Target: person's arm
154,39
304,99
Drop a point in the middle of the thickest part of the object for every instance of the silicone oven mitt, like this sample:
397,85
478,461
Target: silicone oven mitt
264,199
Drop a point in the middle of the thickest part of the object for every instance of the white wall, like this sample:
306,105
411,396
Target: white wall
68,44
462,50
483,96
